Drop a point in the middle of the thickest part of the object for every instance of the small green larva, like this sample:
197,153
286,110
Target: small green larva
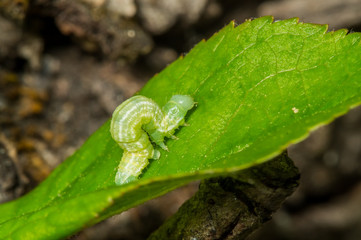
134,120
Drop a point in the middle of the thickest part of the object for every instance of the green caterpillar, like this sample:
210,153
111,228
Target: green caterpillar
134,120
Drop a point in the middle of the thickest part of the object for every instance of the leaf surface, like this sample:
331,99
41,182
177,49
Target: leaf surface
260,87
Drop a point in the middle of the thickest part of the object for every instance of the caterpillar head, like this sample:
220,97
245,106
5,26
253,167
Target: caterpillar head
185,102
175,111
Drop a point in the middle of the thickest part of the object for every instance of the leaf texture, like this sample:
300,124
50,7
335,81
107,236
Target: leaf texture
260,87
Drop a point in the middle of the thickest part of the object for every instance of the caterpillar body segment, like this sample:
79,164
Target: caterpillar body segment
137,118
129,117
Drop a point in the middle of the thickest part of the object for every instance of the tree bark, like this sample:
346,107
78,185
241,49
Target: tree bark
232,207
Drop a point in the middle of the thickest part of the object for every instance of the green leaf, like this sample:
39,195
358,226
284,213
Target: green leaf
260,87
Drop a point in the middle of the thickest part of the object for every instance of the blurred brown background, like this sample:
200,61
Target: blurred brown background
66,64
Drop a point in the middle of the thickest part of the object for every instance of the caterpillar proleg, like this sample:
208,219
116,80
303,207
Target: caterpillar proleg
137,121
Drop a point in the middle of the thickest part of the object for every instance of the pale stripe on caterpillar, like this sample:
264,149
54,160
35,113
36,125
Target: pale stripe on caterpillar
134,120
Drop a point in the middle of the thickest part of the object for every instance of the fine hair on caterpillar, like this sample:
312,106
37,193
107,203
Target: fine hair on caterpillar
137,121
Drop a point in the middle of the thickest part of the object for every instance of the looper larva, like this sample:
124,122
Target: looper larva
134,120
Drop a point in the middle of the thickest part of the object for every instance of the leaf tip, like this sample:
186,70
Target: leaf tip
264,19
323,28
269,18
340,33
355,37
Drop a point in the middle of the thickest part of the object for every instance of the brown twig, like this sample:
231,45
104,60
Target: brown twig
233,207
